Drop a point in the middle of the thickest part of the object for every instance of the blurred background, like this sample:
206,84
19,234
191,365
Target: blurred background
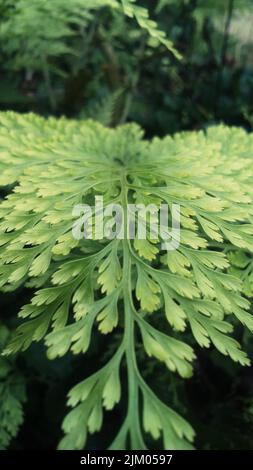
69,57
73,58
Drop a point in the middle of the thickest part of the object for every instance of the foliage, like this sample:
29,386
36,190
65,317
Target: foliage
12,392
109,60
122,288
76,67
33,47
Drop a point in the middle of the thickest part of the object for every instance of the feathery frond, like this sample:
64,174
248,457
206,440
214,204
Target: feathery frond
123,285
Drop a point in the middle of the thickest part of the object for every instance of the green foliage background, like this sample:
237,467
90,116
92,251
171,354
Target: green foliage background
81,59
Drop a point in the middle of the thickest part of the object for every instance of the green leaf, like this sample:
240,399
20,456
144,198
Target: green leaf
123,287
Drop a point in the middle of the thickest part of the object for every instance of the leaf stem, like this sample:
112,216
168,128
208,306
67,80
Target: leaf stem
133,419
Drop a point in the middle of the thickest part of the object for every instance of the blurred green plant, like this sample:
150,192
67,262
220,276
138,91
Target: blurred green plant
118,284
12,395
108,61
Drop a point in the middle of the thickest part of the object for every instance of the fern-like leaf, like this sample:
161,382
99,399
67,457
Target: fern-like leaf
13,395
124,285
